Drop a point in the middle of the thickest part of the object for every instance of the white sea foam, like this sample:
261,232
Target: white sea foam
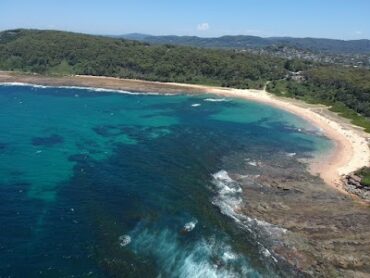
253,163
196,105
226,185
229,200
22,84
216,99
203,258
124,240
83,88
222,176
229,255
188,227
291,154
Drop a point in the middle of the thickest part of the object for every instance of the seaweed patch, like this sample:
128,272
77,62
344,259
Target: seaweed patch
48,141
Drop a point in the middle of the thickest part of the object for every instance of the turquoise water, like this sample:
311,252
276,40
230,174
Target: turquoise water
102,184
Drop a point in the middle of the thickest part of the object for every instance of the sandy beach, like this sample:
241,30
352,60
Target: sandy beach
351,150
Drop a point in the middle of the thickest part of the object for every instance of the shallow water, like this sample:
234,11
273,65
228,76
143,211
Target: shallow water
105,184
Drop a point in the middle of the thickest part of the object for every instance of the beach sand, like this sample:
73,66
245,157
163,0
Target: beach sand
350,153
351,150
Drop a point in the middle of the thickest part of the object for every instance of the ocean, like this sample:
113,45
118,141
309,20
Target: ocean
96,183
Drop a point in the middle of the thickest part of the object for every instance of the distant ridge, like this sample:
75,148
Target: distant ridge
344,87
135,36
242,41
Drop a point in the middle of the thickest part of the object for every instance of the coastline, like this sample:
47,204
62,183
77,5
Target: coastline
350,153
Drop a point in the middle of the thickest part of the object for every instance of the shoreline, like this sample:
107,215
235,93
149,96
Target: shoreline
351,150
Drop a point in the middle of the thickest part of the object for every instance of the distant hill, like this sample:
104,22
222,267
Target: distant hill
244,42
346,89
57,52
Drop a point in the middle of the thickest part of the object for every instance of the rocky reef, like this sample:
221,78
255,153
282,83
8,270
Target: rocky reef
355,183
327,233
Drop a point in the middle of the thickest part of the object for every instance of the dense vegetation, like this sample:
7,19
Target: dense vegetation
69,53
364,173
345,89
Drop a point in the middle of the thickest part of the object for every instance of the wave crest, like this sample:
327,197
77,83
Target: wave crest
124,240
94,89
229,200
203,258
188,227
216,99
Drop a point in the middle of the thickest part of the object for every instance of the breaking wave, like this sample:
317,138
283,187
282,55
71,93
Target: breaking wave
203,258
188,227
94,89
124,240
229,200
216,99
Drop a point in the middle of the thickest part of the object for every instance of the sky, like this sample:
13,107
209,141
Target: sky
339,19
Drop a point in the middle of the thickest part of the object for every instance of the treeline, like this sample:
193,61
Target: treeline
53,52
347,90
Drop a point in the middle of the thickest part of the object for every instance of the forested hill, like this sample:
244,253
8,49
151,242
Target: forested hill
346,89
71,53
242,42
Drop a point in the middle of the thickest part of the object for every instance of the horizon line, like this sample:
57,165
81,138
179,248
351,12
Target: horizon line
167,35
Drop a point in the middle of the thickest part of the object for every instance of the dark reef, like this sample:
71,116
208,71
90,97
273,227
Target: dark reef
48,141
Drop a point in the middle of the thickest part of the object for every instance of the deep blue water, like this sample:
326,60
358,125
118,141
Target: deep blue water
100,184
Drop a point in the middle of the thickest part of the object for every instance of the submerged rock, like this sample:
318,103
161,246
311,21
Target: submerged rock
48,141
